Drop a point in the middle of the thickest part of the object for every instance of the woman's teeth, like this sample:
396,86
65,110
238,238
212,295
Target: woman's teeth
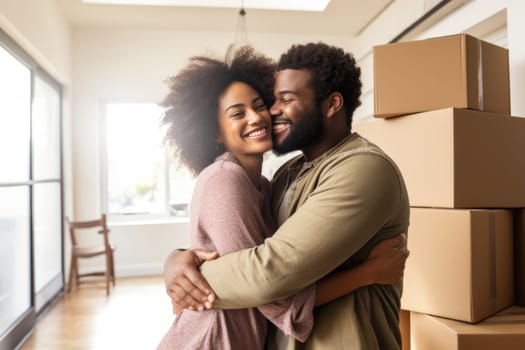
256,133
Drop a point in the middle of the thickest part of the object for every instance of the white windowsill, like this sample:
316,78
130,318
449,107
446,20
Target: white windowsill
140,222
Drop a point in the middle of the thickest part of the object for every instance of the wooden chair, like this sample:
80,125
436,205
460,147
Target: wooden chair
78,251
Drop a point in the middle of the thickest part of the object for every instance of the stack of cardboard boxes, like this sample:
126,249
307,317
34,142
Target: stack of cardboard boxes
445,109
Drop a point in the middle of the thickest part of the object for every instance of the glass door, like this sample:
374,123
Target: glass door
31,258
16,311
46,191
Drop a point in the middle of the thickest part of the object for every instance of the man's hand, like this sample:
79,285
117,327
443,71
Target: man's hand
185,285
386,260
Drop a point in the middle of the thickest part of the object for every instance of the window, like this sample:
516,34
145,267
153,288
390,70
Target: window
142,181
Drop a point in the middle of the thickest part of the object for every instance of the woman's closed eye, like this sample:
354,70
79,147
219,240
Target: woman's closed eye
260,107
237,114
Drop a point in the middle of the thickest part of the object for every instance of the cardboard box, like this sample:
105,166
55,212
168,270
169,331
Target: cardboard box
456,158
505,330
519,256
460,264
404,327
451,71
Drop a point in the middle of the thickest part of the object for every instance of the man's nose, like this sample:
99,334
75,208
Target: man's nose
274,109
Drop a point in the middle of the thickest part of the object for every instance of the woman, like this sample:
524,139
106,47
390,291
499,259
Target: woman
219,122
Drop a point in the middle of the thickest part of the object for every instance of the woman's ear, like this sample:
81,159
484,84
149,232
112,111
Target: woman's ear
333,104
218,139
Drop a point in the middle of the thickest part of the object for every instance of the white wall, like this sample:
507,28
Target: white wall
516,28
142,248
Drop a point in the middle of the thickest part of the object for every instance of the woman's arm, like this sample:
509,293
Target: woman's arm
230,217
384,265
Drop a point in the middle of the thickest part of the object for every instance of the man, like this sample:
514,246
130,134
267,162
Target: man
333,205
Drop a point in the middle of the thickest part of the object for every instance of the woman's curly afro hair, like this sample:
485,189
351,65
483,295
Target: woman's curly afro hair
192,102
331,69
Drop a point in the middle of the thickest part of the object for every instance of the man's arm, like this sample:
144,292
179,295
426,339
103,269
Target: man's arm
384,265
349,208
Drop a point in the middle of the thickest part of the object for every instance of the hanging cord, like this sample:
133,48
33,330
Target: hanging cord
241,36
241,33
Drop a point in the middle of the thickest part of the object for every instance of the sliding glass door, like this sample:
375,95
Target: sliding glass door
16,312
46,191
31,243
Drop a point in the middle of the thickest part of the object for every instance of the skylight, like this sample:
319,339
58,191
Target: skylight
292,5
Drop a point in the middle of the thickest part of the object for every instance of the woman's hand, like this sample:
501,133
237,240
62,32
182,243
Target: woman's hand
386,261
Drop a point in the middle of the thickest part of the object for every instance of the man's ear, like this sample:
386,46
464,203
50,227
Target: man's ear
332,104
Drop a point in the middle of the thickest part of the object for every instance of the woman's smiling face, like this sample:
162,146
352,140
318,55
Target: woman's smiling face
244,121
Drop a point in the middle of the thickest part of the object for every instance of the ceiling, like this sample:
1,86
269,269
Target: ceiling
341,17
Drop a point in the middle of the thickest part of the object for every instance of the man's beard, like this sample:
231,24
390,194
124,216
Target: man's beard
305,132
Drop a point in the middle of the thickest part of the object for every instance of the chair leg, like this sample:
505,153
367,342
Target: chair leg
77,273
72,273
112,266
108,272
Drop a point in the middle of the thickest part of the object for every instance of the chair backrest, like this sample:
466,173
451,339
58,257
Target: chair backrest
100,223
84,250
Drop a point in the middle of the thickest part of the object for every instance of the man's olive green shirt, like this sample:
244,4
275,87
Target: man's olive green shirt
346,201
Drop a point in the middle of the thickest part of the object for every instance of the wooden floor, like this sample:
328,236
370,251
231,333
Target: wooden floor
135,316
